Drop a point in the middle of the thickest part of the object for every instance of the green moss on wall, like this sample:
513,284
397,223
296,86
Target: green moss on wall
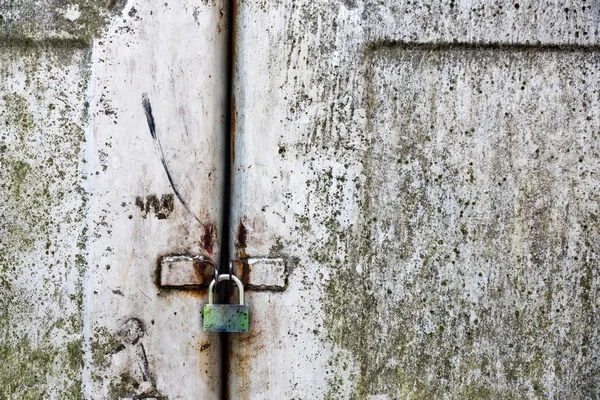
78,21
42,204
470,269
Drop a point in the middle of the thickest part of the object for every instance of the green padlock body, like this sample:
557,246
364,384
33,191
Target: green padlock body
226,318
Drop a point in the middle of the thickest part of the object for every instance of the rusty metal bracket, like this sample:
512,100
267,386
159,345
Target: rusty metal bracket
185,271
263,274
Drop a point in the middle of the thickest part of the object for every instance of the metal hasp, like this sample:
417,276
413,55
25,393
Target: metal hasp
185,271
226,317
189,272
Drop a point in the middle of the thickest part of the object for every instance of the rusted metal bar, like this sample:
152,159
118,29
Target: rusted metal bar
197,272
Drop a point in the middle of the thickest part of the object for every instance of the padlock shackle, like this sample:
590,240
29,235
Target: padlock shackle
225,277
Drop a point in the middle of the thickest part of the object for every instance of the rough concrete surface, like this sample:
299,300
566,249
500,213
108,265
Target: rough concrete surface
112,135
429,173
424,175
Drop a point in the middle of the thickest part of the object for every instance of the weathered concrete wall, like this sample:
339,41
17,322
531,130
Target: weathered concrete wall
111,143
156,179
42,209
436,203
44,71
55,20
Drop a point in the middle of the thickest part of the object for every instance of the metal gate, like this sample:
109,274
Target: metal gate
410,191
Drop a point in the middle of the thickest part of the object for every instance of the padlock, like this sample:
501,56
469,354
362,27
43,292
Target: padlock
226,317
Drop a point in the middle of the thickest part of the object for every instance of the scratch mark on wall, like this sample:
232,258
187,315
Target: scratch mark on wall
136,380
152,126
143,364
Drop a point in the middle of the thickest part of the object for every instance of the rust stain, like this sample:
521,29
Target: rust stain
197,292
221,15
207,239
250,347
241,240
227,357
204,272
204,346
243,272
242,236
